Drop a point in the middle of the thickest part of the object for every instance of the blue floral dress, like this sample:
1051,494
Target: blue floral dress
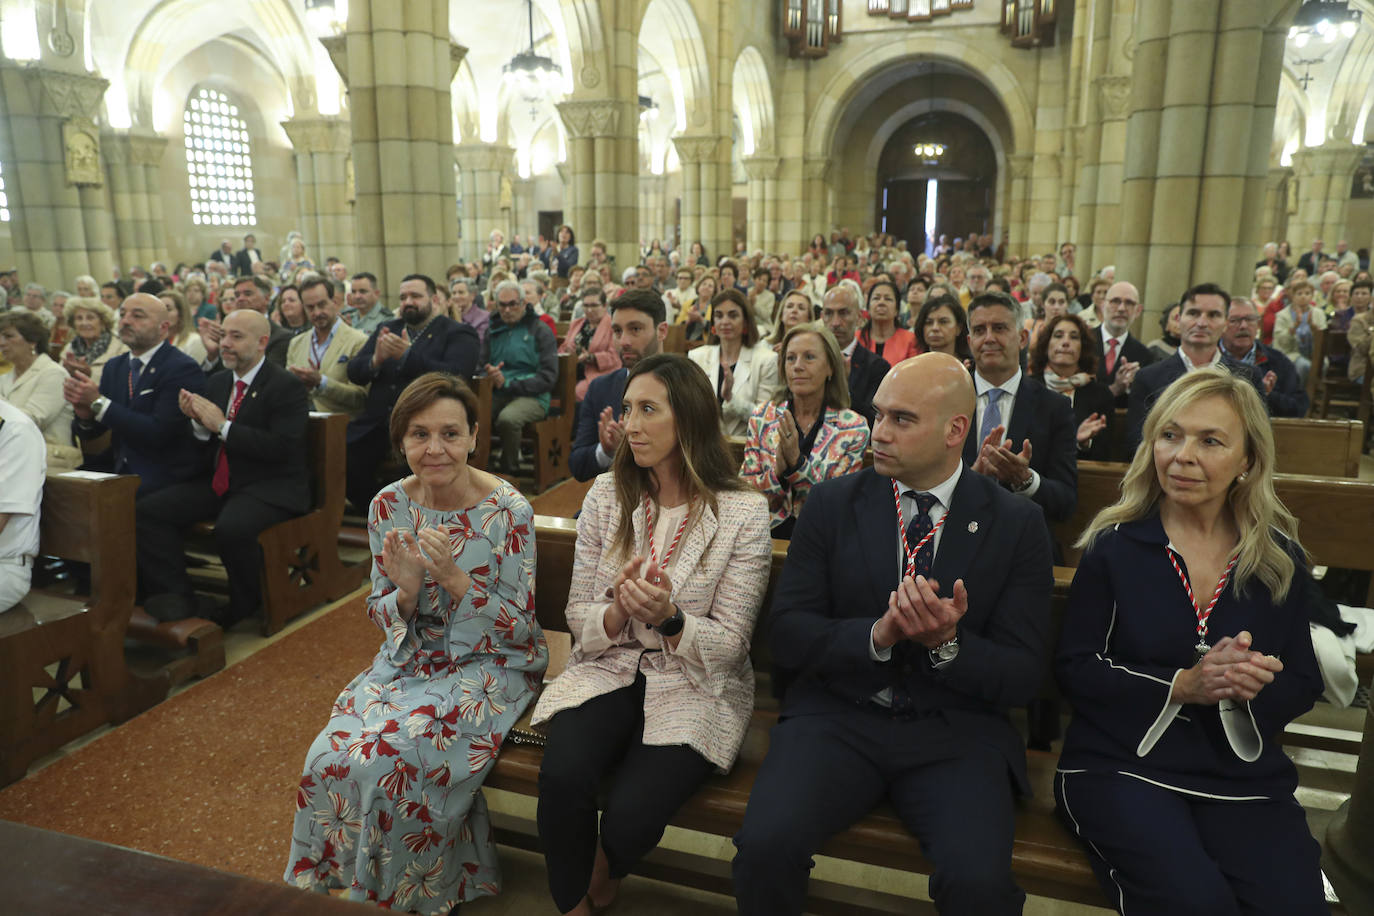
390,804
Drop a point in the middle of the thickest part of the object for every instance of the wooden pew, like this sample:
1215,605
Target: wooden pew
72,649
1046,859
553,435
482,454
47,872
301,567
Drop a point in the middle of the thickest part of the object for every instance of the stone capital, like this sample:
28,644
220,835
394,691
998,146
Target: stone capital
1020,164
1332,158
337,47
482,157
762,167
585,118
67,95
816,168
696,149
1113,95
456,53
318,135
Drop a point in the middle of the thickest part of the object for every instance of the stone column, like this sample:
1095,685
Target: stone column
1350,834
481,166
603,170
321,146
1323,174
653,218
133,164
54,175
524,218
1198,145
815,194
398,61
1274,228
701,193
1018,189
762,229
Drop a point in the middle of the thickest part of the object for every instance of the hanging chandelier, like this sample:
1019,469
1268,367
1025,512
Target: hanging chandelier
929,153
532,75
1324,20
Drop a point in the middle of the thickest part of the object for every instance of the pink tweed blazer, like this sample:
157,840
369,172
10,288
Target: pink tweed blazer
702,693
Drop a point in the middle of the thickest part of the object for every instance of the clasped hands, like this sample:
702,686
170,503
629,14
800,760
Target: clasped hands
915,611
1229,671
645,597
203,410
408,558
390,345
997,459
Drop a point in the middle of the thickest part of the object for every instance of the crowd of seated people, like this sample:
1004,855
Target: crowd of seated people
963,387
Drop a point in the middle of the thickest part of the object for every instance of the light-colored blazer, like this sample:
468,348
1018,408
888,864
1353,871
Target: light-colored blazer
115,348
839,450
602,347
1361,344
756,381
38,392
339,395
1285,338
702,693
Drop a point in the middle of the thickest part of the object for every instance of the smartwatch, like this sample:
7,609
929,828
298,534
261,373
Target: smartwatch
673,625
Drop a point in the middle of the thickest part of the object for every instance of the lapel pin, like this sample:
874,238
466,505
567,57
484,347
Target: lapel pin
972,527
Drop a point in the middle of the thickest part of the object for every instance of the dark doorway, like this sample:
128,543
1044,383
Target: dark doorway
965,169
549,221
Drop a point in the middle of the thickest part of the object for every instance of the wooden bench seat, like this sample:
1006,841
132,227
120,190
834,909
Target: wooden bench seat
62,668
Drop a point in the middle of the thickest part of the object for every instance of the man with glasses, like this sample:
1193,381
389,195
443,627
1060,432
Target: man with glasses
523,367
1119,353
1241,342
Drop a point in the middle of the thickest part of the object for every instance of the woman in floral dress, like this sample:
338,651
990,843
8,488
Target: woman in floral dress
390,803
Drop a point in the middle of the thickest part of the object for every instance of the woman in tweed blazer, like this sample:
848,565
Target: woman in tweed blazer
670,568
807,433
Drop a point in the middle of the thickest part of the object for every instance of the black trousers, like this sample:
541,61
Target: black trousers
365,455
823,772
163,518
604,737
1156,851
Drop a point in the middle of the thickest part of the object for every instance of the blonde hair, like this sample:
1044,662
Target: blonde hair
1257,510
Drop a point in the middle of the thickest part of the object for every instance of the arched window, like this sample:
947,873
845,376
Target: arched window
219,162
4,201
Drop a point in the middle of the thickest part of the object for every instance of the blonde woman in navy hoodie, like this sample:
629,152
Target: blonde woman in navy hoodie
1185,652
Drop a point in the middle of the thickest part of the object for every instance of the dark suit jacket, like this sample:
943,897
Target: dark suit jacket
1132,349
243,261
1046,419
866,371
1151,382
1288,399
226,259
842,565
1094,398
444,346
266,442
277,345
604,391
149,436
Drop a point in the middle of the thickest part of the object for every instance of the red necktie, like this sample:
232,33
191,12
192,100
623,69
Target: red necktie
220,482
1111,354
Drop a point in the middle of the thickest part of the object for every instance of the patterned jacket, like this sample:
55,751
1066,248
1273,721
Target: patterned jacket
839,450
702,693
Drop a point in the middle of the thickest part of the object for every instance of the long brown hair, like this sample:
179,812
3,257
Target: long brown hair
707,466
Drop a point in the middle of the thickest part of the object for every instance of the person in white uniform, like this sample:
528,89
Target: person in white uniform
23,464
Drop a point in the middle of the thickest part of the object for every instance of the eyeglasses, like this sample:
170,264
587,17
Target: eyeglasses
1237,322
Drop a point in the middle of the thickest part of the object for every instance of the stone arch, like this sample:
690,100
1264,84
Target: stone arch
904,114
676,22
854,76
752,91
158,45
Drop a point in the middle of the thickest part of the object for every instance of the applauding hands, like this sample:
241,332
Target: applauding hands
915,611
408,558
646,598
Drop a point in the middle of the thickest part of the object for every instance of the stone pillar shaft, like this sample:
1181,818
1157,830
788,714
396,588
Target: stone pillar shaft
702,219
481,166
762,229
603,160
133,163
1323,174
51,149
325,215
398,62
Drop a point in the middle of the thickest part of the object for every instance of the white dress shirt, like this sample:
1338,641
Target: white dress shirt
1011,386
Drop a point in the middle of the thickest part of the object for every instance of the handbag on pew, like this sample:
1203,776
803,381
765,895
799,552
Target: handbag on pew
524,731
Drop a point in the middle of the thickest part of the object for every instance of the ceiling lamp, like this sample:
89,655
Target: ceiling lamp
532,75
1326,20
929,152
